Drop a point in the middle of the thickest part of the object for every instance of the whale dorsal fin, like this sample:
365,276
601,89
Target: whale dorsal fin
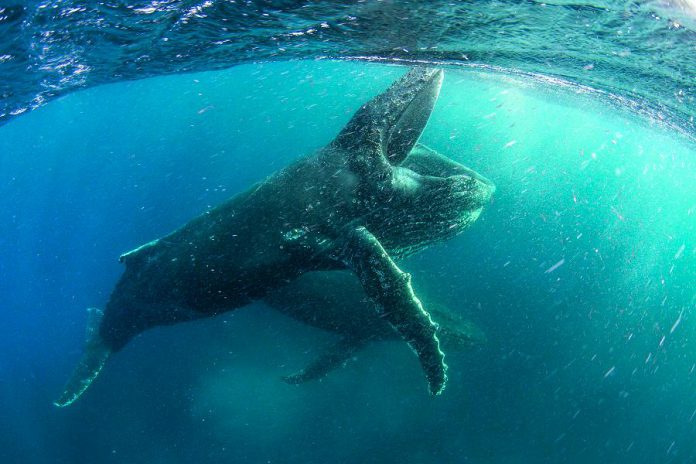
129,256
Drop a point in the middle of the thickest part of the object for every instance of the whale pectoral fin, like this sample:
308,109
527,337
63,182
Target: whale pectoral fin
336,356
390,288
454,331
95,356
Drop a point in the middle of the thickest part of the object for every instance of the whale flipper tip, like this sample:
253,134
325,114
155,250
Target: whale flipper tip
93,360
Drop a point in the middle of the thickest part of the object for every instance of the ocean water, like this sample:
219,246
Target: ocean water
581,272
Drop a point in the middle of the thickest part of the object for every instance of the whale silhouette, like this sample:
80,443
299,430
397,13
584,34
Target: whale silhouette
353,205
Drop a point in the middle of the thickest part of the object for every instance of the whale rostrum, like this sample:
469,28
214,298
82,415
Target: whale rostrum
367,198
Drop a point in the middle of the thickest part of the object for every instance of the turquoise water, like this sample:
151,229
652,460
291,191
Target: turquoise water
581,274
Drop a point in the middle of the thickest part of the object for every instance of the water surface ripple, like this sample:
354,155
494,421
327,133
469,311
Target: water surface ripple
640,52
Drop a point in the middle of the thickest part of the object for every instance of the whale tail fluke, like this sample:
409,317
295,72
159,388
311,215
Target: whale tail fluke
95,356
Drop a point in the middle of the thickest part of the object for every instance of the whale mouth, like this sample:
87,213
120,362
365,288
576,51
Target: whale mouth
382,133
427,162
482,182
405,132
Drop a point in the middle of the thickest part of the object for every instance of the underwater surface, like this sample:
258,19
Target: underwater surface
581,272
641,50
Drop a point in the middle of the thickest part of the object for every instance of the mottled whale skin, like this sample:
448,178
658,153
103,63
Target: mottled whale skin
351,206
335,302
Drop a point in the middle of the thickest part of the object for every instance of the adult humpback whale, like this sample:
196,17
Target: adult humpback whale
349,206
334,301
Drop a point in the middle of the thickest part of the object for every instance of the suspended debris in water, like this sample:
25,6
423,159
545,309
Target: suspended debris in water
555,266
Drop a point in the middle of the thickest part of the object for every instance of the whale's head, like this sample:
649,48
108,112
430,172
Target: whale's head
410,196
431,198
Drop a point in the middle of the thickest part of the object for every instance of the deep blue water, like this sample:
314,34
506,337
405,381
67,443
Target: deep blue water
581,273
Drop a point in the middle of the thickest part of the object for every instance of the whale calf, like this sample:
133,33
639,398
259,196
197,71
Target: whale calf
352,206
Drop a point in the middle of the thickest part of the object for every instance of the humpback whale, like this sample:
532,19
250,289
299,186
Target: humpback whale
334,302
349,206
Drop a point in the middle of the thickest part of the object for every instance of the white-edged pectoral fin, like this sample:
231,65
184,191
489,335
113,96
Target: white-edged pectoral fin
95,356
390,288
